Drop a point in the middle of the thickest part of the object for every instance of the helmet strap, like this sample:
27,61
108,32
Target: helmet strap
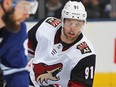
82,28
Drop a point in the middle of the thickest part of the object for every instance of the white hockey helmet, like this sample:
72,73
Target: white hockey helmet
74,10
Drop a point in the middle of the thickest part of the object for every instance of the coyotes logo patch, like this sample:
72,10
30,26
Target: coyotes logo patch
53,21
44,72
84,48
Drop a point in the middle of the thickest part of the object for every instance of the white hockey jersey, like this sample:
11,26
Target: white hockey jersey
58,63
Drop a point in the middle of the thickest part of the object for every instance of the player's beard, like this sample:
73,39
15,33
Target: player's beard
10,24
71,39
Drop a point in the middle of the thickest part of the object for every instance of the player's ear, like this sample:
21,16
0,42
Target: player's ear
7,4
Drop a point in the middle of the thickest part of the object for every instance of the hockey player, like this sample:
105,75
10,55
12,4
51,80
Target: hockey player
62,55
12,36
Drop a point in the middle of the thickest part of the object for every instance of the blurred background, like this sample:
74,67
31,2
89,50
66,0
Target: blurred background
100,29
95,8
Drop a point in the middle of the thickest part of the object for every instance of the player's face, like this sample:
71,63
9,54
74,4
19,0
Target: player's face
21,11
72,27
14,18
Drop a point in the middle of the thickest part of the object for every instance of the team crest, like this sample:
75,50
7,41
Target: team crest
44,72
84,48
53,21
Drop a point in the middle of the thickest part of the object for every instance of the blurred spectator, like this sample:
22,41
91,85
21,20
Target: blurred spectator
107,11
65,1
92,8
113,9
110,9
103,5
41,9
53,8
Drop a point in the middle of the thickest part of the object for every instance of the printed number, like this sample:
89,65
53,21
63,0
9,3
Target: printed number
75,7
89,72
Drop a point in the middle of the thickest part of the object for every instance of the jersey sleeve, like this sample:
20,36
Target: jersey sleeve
82,75
32,42
13,48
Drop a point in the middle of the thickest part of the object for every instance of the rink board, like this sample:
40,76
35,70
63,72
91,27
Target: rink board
105,80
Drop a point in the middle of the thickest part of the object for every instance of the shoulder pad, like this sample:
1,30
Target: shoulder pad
53,21
84,48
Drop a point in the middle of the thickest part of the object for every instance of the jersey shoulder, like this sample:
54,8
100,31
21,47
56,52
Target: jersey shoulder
52,21
48,27
83,48
55,22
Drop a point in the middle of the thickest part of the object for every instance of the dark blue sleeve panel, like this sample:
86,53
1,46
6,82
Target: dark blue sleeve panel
13,54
